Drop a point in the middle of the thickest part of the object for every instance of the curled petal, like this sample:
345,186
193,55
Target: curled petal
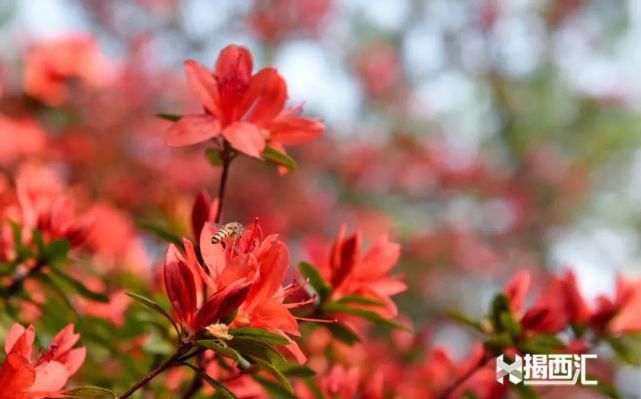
222,304
345,256
180,286
192,129
294,131
65,339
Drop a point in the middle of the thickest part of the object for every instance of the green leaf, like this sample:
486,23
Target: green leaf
56,251
276,157
155,344
297,370
90,392
500,304
322,288
260,335
79,287
169,117
625,349
498,342
465,320
160,232
251,347
220,388
275,390
342,333
214,156
359,300
510,324
364,313
284,382
225,351
151,305
543,343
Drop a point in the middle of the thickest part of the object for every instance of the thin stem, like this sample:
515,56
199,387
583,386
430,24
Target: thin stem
193,389
227,157
174,360
462,379
19,278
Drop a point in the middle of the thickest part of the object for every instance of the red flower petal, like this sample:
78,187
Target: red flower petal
180,286
204,85
200,212
265,97
294,131
273,258
245,137
234,63
192,129
345,255
222,304
517,289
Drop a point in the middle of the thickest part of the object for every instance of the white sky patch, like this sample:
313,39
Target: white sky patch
389,15
50,17
320,82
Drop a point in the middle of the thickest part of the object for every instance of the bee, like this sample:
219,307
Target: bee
230,230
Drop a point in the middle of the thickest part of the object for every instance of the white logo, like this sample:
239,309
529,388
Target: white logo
552,369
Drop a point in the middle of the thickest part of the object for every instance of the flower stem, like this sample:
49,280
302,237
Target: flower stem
227,157
19,278
463,378
174,360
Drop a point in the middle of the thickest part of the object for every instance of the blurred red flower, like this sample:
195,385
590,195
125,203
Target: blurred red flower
182,285
20,378
264,261
50,65
349,273
247,109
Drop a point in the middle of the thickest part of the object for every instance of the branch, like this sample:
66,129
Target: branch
174,360
462,379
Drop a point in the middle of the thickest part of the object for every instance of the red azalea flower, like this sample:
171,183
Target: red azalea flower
265,262
50,65
183,285
20,378
349,273
247,109
622,314
561,303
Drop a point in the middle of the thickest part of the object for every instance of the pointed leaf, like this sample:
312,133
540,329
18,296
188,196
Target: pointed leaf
317,282
270,154
90,392
225,351
151,305
275,390
79,287
220,388
214,156
260,335
169,117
